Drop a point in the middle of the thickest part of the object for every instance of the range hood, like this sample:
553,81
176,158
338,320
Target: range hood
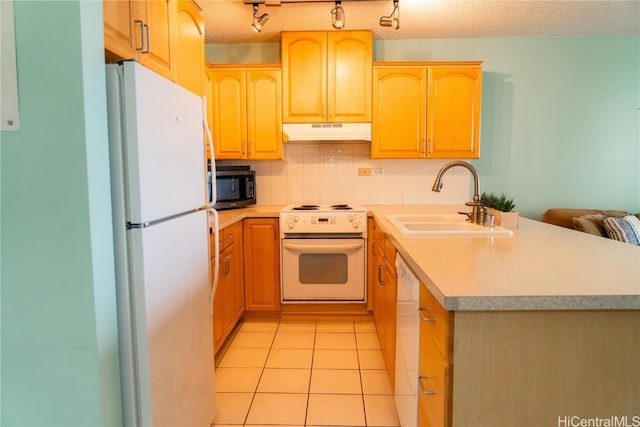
326,132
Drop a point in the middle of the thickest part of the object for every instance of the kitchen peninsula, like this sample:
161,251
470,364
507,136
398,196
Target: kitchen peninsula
542,325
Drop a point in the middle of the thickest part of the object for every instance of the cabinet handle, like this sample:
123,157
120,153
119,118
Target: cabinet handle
148,49
137,21
430,146
380,268
421,310
422,388
227,268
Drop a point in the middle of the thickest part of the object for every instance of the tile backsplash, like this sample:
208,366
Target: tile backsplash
327,173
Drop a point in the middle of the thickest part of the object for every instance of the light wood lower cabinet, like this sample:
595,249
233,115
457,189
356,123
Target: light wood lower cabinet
262,264
228,303
383,286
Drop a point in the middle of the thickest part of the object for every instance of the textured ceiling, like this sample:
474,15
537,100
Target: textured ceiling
229,21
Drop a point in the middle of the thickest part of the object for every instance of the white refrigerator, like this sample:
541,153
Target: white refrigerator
160,215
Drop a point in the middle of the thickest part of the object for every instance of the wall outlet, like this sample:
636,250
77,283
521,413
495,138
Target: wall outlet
378,171
364,171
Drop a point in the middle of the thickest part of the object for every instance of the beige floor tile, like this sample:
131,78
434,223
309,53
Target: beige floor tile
340,381
275,408
252,340
244,358
328,326
232,408
290,358
376,381
335,359
335,340
237,379
371,359
303,339
259,325
364,326
381,411
335,410
367,341
284,381
296,326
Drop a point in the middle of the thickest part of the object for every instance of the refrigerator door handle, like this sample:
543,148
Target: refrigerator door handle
216,255
207,132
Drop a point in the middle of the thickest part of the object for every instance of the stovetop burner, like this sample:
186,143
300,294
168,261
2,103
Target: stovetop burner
306,208
337,207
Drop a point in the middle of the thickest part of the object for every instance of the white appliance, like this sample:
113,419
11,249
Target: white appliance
323,253
407,344
327,132
164,290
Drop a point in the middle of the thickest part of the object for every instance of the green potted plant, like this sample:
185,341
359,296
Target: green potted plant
502,208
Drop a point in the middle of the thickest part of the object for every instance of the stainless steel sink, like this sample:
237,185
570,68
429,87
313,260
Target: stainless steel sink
443,225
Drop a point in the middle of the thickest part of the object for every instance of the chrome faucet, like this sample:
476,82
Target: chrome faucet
475,216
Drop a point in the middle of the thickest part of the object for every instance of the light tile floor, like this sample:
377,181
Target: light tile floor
304,373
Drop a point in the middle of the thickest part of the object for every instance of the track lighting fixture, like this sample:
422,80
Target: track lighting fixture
337,16
258,21
392,20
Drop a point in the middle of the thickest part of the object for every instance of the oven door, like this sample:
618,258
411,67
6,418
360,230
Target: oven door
323,270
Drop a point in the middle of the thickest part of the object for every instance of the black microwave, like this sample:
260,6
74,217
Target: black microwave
235,187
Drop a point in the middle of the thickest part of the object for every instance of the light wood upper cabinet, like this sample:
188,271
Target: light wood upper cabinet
423,110
400,110
190,49
326,76
453,112
246,117
141,30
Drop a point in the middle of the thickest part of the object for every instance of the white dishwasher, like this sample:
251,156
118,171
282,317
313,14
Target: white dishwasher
407,344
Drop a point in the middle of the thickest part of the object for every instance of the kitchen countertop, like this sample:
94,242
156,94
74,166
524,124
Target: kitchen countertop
540,267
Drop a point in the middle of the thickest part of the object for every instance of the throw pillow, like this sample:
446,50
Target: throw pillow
625,229
590,223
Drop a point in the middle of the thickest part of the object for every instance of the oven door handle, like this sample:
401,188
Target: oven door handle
327,248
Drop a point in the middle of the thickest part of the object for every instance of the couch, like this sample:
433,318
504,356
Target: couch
622,226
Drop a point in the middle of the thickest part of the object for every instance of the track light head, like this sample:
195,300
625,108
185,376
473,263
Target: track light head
337,16
393,20
258,21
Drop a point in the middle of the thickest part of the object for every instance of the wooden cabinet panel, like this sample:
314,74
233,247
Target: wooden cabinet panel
190,49
349,76
304,75
436,117
246,117
399,113
229,297
264,114
228,124
326,76
454,112
140,30
262,264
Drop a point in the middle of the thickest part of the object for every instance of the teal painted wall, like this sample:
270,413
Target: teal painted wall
560,116
59,328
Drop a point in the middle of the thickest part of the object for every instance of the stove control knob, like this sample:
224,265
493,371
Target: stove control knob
290,224
356,224
295,219
350,218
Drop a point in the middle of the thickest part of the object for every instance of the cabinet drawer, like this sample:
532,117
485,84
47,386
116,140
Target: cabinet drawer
436,324
232,234
434,390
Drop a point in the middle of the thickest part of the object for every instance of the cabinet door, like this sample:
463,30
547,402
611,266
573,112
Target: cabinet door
118,29
304,76
236,273
454,112
349,64
262,264
157,53
228,124
189,47
264,114
219,308
399,113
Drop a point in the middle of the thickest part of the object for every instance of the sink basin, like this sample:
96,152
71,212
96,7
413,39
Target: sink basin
443,225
